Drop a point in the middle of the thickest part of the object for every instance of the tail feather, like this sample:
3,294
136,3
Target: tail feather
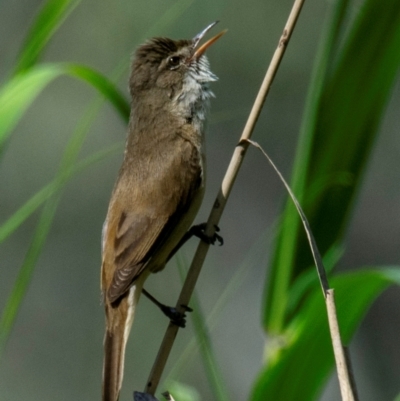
112,368
119,323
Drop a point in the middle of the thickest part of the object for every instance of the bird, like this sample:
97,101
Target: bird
160,185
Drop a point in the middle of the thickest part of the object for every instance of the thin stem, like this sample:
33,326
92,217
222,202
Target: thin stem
346,382
347,385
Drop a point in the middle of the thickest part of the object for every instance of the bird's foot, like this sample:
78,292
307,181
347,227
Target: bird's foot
199,231
176,317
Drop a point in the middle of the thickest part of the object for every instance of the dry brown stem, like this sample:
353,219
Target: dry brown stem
222,197
347,386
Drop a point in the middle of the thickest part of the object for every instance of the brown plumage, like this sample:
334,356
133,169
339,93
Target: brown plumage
160,185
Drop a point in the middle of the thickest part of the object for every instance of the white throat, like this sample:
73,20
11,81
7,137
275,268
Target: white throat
192,102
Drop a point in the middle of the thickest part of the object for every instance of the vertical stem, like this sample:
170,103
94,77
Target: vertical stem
222,197
344,375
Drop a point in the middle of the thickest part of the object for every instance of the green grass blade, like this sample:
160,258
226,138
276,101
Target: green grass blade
255,257
207,353
25,274
299,368
19,93
25,211
50,17
339,135
24,277
103,85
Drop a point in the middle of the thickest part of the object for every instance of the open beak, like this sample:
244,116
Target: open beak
201,50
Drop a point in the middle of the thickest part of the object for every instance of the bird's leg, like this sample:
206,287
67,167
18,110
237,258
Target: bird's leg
198,231
172,313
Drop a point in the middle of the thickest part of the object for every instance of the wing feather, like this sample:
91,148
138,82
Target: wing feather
140,224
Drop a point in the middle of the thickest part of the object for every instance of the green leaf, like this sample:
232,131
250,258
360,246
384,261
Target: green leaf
19,93
300,362
183,392
17,96
276,289
343,115
46,218
103,85
50,17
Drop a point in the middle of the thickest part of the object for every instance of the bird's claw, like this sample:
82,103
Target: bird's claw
176,317
199,231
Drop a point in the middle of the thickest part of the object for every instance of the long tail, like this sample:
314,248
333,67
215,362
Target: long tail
119,321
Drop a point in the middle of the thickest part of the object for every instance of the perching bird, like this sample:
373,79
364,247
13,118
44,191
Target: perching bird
160,185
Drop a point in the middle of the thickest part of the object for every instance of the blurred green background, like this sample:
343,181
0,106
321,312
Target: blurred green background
55,348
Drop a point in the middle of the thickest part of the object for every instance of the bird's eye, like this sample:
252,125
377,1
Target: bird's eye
173,62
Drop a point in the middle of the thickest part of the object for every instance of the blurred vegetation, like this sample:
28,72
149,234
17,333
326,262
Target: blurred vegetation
353,76
352,81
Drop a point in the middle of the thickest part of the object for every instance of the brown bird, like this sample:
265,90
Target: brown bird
160,185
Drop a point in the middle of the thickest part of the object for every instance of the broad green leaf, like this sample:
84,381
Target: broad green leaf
300,361
280,277
340,127
50,17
